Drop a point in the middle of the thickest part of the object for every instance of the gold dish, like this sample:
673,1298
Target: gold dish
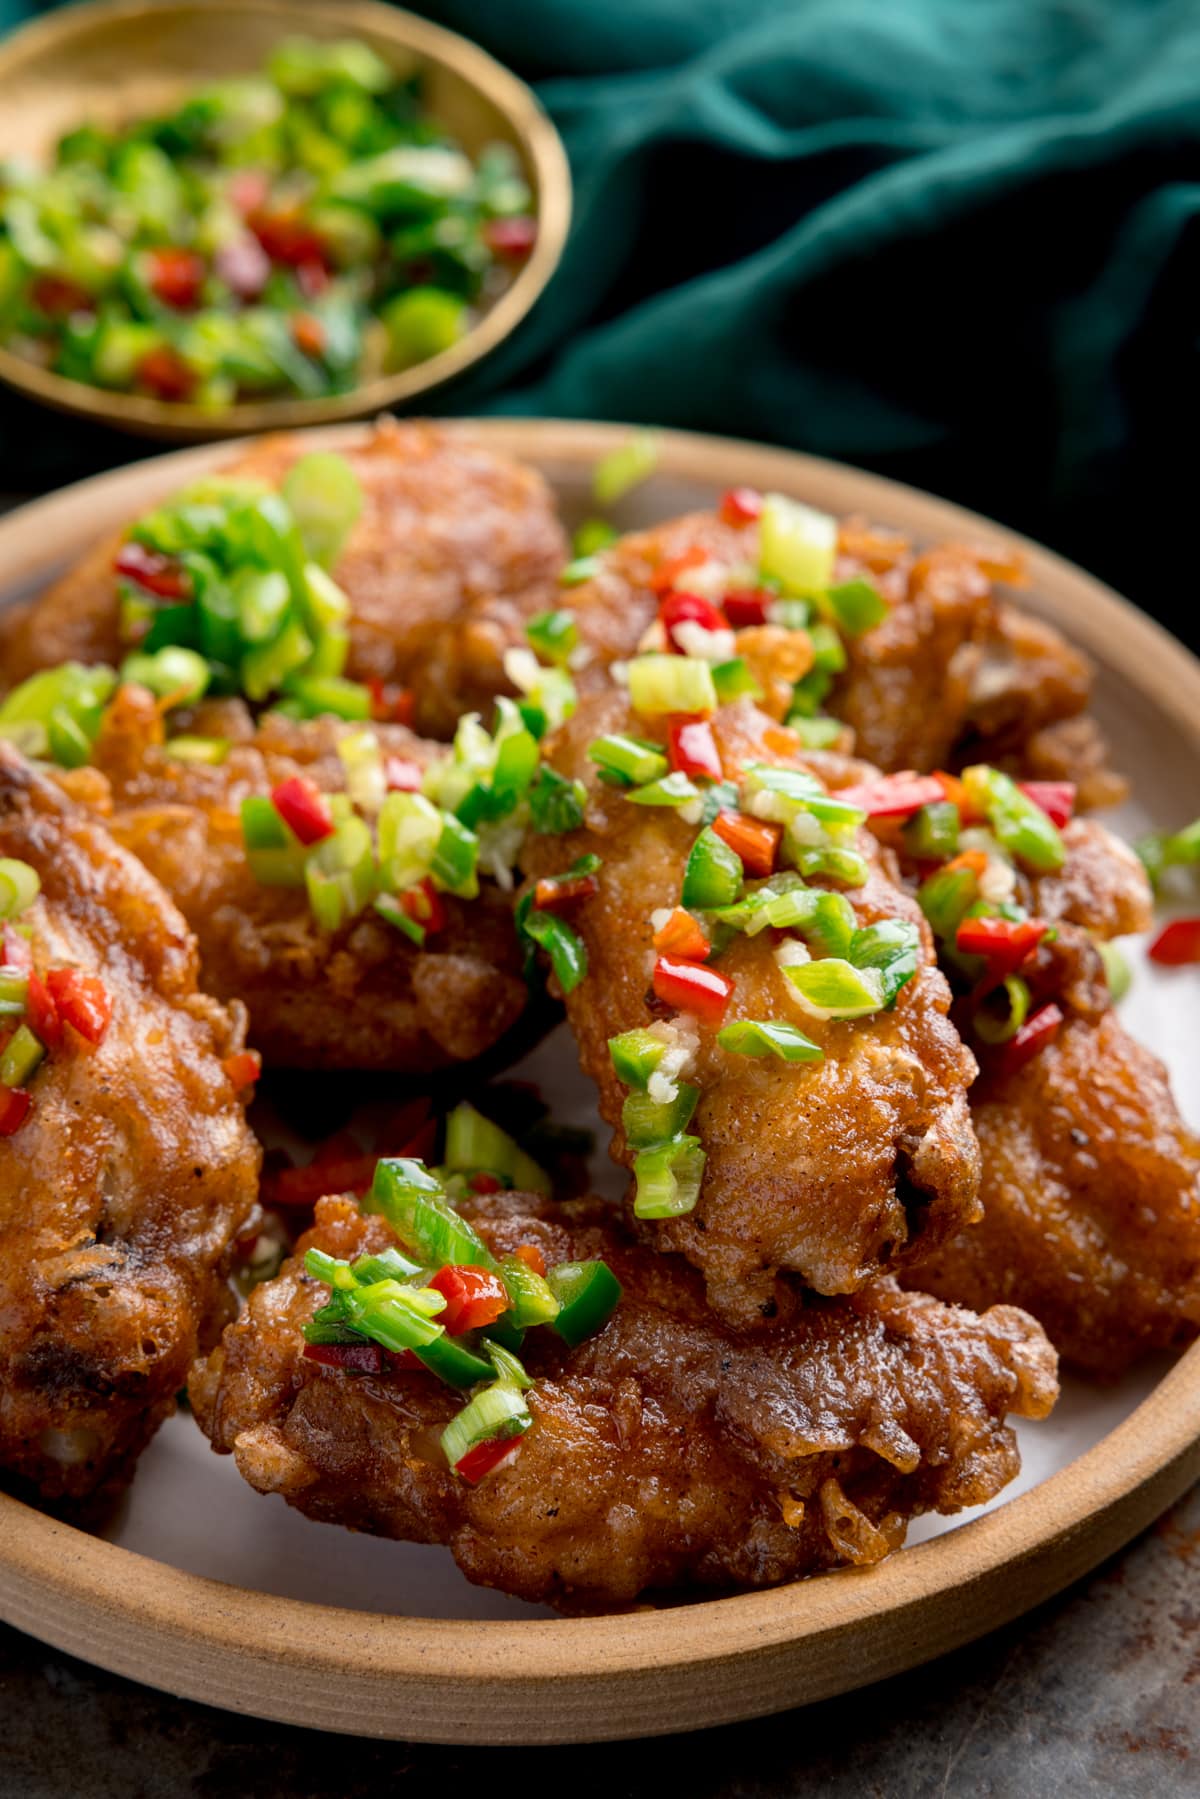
115,59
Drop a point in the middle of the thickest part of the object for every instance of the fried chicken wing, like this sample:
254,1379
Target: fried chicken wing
833,1170
363,997
1091,1195
951,674
455,548
666,1449
123,1188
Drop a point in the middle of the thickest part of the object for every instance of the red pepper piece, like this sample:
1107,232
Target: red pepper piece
82,1001
531,1255
740,506
312,278
667,574
60,297
362,1358
243,1068
1037,1031
562,894
1056,799
954,791
483,1182
895,796
287,238
158,574
485,1457
690,987
42,1013
692,748
176,276
308,334
1177,944
18,951
510,237
303,808
683,936
755,840
303,1187
747,606
689,608
14,1109
1005,943
164,372
425,906
401,775
248,189
390,704
474,1298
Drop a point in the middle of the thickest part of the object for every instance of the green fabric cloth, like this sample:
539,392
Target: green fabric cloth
952,242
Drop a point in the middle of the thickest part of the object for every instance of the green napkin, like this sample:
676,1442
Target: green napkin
953,243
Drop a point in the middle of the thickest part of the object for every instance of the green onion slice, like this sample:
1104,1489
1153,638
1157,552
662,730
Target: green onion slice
19,887
1020,825
415,1205
496,1412
553,636
474,1142
630,760
798,545
625,468
668,1178
834,988
660,684
769,1037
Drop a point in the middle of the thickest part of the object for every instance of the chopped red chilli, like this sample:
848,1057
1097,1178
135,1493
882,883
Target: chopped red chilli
562,892
681,608
1004,942
747,606
485,1458
402,776
692,748
1177,944
894,796
474,1298
755,840
158,574
14,1107
1056,799
1039,1029
740,506
683,936
82,1001
303,808
691,987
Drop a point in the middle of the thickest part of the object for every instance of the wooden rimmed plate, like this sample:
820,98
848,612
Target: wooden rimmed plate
482,1670
112,60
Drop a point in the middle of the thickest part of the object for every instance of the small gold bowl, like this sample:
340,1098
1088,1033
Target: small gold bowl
111,60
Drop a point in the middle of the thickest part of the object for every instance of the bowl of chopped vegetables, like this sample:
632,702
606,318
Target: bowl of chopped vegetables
223,217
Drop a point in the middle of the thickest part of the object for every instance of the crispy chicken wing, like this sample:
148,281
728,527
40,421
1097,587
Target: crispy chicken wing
666,1449
833,1170
455,548
1091,1194
122,1190
363,997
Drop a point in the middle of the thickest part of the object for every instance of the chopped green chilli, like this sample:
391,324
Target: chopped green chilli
668,1178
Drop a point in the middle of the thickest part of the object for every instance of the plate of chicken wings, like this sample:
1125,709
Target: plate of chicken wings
595,1013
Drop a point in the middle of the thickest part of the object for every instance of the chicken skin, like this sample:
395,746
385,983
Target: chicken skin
363,997
123,1188
833,1170
666,1449
454,549
950,671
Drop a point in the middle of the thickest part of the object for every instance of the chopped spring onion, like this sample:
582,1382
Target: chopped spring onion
946,896
592,536
834,988
1020,825
340,874
455,858
769,1037
276,857
588,1294
646,1121
473,1142
14,994
798,545
326,501
1171,849
21,1057
668,1178
809,694
556,805
856,605
57,712
172,673
19,886
660,684
1007,1007
628,760
625,468
507,1365
891,948
817,733
553,636
675,789
1117,971
931,834
635,1056
713,875
410,829
313,695
825,920
779,793
550,695
846,866
583,568
496,1413
415,1205
735,680
206,750
533,1302
565,948
829,652
261,597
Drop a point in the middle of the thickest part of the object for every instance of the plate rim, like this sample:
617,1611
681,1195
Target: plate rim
539,139
649,1671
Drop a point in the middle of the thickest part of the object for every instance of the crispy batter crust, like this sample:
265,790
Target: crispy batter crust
667,1449
455,548
122,1191
832,1170
364,997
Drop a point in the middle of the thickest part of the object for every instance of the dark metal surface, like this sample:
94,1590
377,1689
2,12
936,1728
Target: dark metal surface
1097,1693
